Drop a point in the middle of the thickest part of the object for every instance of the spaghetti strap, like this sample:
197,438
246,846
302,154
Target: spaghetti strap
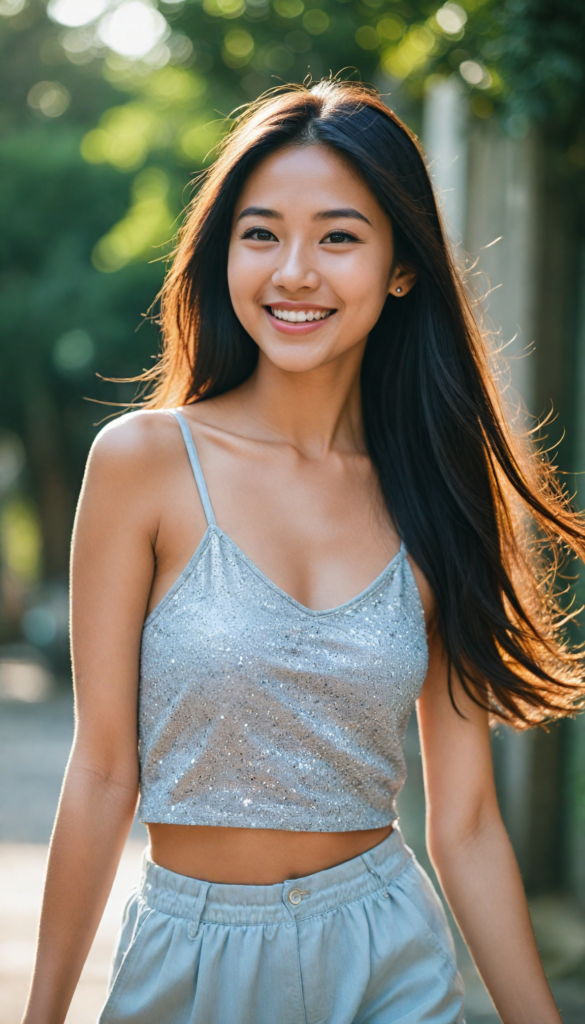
195,466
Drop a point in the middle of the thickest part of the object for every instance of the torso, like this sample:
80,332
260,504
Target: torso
292,516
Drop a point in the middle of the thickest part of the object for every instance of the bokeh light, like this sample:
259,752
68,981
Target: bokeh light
133,29
74,13
475,73
147,224
49,98
73,351
9,8
20,539
451,18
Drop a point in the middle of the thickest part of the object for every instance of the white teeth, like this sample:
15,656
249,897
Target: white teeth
300,316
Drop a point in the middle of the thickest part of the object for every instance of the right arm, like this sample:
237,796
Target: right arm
111,579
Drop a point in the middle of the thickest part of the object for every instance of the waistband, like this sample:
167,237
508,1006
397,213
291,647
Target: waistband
215,903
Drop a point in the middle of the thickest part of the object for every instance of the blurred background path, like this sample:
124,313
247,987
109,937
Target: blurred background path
34,745
35,738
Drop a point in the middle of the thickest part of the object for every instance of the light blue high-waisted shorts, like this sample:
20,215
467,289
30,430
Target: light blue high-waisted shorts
365,942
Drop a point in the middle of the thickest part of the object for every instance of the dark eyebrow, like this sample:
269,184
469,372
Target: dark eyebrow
347,211
259,211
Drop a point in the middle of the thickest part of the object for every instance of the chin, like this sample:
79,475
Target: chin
291,360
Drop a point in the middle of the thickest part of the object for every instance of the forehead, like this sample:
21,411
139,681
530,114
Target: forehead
309,178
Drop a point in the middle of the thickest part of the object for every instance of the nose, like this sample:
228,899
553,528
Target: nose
295,270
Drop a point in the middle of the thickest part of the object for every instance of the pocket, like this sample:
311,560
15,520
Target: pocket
136,914
426,906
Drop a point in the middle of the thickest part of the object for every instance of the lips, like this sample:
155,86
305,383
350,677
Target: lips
299,316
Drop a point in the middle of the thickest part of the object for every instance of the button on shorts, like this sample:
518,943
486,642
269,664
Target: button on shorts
365,942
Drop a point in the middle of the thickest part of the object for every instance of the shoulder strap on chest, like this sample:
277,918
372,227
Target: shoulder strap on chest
195,466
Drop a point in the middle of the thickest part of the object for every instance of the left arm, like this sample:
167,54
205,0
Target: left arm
471,851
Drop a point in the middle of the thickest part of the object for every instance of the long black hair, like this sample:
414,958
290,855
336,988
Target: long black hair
483,517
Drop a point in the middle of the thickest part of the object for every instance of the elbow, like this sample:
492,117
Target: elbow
459,830
439,845
116,777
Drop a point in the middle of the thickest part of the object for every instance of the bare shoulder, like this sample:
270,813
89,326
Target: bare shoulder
146,434
133,457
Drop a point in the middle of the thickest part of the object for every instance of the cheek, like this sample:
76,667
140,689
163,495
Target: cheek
245,276
237,276
363,285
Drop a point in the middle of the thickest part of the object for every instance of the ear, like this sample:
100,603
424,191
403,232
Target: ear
402,280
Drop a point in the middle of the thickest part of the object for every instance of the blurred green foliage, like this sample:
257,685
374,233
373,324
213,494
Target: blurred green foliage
98,145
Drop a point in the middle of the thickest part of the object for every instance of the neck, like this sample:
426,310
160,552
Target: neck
314,410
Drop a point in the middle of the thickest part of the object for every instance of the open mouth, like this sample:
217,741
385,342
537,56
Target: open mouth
299,316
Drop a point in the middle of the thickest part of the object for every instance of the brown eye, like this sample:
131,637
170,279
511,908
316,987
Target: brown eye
260,235
339,237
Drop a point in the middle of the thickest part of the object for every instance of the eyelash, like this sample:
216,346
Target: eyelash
347,237
254,232
251,232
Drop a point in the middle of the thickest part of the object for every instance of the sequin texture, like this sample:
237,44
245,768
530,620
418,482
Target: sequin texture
257,712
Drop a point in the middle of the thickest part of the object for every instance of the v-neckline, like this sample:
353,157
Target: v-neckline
214,529
292,600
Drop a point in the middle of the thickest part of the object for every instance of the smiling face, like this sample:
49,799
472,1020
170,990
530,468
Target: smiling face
310,258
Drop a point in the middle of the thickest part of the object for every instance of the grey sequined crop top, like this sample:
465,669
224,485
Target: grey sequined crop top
257,712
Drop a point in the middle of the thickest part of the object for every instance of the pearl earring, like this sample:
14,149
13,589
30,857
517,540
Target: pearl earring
398,290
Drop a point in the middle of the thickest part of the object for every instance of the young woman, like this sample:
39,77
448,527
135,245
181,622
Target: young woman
325,435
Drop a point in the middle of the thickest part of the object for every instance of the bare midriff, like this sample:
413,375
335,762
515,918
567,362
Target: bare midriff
254,856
